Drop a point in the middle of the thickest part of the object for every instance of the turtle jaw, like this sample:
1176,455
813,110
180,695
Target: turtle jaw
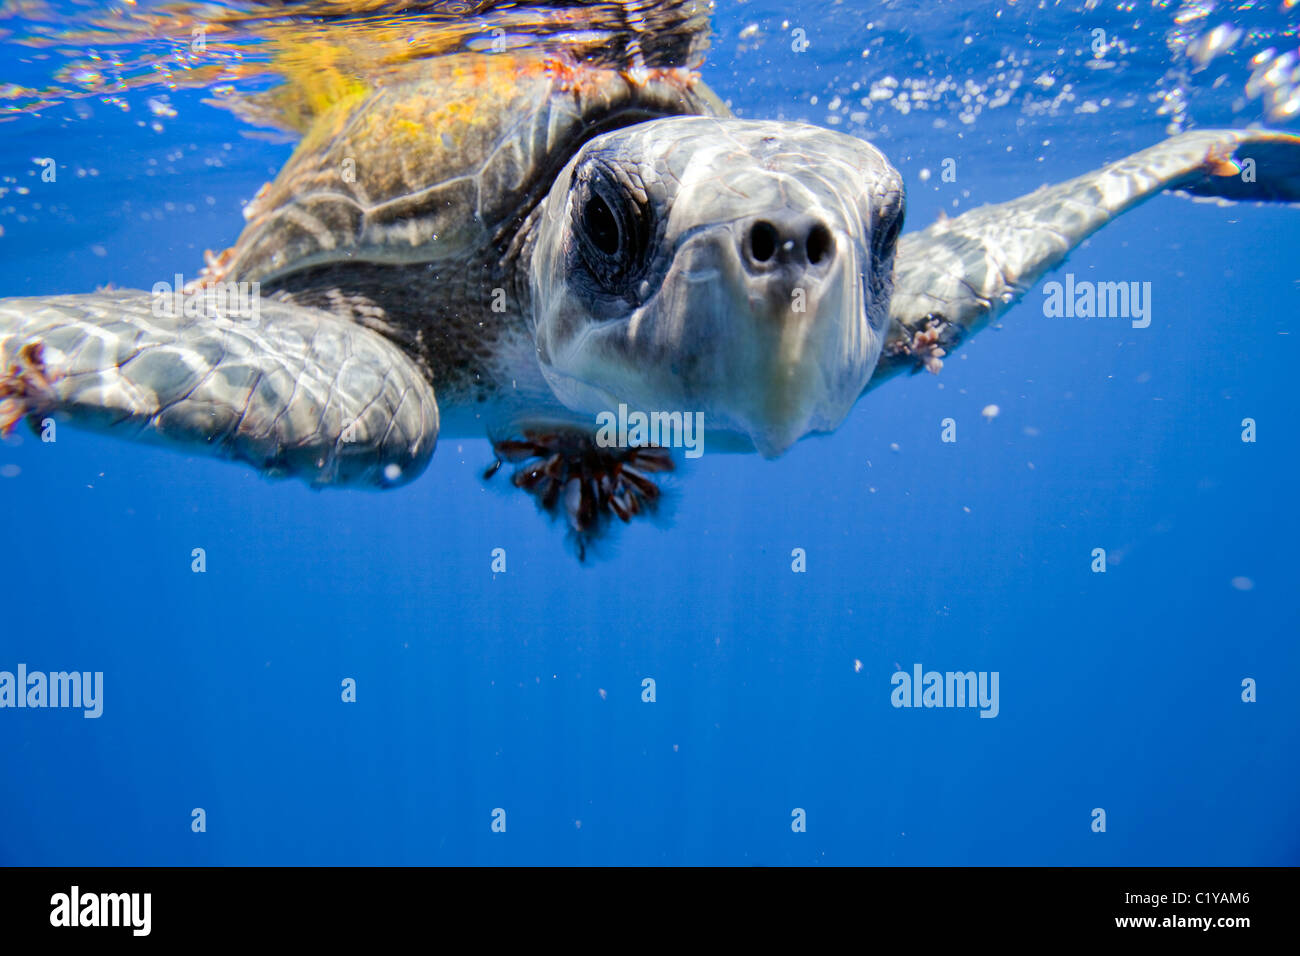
769,352
767,355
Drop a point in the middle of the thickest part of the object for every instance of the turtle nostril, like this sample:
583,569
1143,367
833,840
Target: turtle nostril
763,239
792,245
820,243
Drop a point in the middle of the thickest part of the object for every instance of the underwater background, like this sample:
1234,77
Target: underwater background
523,690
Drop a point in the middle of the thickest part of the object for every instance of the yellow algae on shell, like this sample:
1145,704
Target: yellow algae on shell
430,160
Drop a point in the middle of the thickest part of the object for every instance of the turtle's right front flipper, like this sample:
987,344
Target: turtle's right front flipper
290,390
954,277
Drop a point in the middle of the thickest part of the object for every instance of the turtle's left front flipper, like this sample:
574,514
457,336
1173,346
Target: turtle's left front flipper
953,278
290,390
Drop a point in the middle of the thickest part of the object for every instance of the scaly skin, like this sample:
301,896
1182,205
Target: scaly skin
954,277
298,393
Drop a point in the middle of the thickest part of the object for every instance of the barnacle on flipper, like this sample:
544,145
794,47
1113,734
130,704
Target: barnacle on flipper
928,344
1219,161
26,386
570,476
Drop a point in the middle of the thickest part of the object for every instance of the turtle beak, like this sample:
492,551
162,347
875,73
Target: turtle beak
768,324
802,320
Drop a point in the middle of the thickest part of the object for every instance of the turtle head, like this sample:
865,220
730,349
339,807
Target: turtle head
735,268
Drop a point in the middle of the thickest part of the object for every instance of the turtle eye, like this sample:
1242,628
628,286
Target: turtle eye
891,231
612,232
888,225
600,225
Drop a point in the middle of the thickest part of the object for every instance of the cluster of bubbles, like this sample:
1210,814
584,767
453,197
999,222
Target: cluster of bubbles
1182,64
1203,34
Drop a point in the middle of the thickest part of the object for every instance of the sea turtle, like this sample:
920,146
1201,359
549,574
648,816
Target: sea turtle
515,241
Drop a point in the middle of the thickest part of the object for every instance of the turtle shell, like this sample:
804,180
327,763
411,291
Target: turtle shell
441,158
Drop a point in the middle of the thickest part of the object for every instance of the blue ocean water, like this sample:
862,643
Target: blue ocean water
523,691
